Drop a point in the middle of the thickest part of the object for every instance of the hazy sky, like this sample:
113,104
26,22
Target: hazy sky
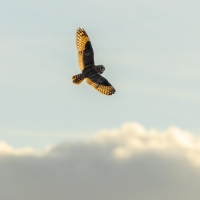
63,141
150,50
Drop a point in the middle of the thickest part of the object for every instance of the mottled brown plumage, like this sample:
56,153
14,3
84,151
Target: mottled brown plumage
90,71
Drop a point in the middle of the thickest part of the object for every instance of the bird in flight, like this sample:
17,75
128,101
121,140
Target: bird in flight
90,72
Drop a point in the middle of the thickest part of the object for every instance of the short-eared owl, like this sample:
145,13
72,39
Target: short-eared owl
90,71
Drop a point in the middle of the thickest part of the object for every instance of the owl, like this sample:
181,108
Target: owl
90,72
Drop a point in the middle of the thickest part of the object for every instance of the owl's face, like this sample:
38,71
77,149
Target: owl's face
101,69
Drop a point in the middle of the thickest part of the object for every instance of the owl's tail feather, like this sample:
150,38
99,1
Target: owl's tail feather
77,79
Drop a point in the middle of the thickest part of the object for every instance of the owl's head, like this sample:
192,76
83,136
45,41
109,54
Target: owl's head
101,69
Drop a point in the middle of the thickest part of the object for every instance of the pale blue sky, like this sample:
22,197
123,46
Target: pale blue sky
150,50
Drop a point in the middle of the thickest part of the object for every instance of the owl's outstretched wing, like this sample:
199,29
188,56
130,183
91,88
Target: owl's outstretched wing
84,48
101,84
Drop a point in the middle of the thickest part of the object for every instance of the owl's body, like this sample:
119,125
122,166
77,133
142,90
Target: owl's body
90,71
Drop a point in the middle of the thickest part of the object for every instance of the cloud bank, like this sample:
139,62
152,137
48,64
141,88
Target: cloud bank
126,163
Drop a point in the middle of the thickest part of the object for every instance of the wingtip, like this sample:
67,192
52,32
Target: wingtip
79,28
111,92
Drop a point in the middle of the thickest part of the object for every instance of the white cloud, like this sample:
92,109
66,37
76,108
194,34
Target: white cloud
126,163
133,138
7,150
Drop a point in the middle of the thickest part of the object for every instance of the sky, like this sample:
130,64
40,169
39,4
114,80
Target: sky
56,135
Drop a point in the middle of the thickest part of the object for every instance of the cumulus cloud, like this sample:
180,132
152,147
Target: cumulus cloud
7,150
126,163
133,138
